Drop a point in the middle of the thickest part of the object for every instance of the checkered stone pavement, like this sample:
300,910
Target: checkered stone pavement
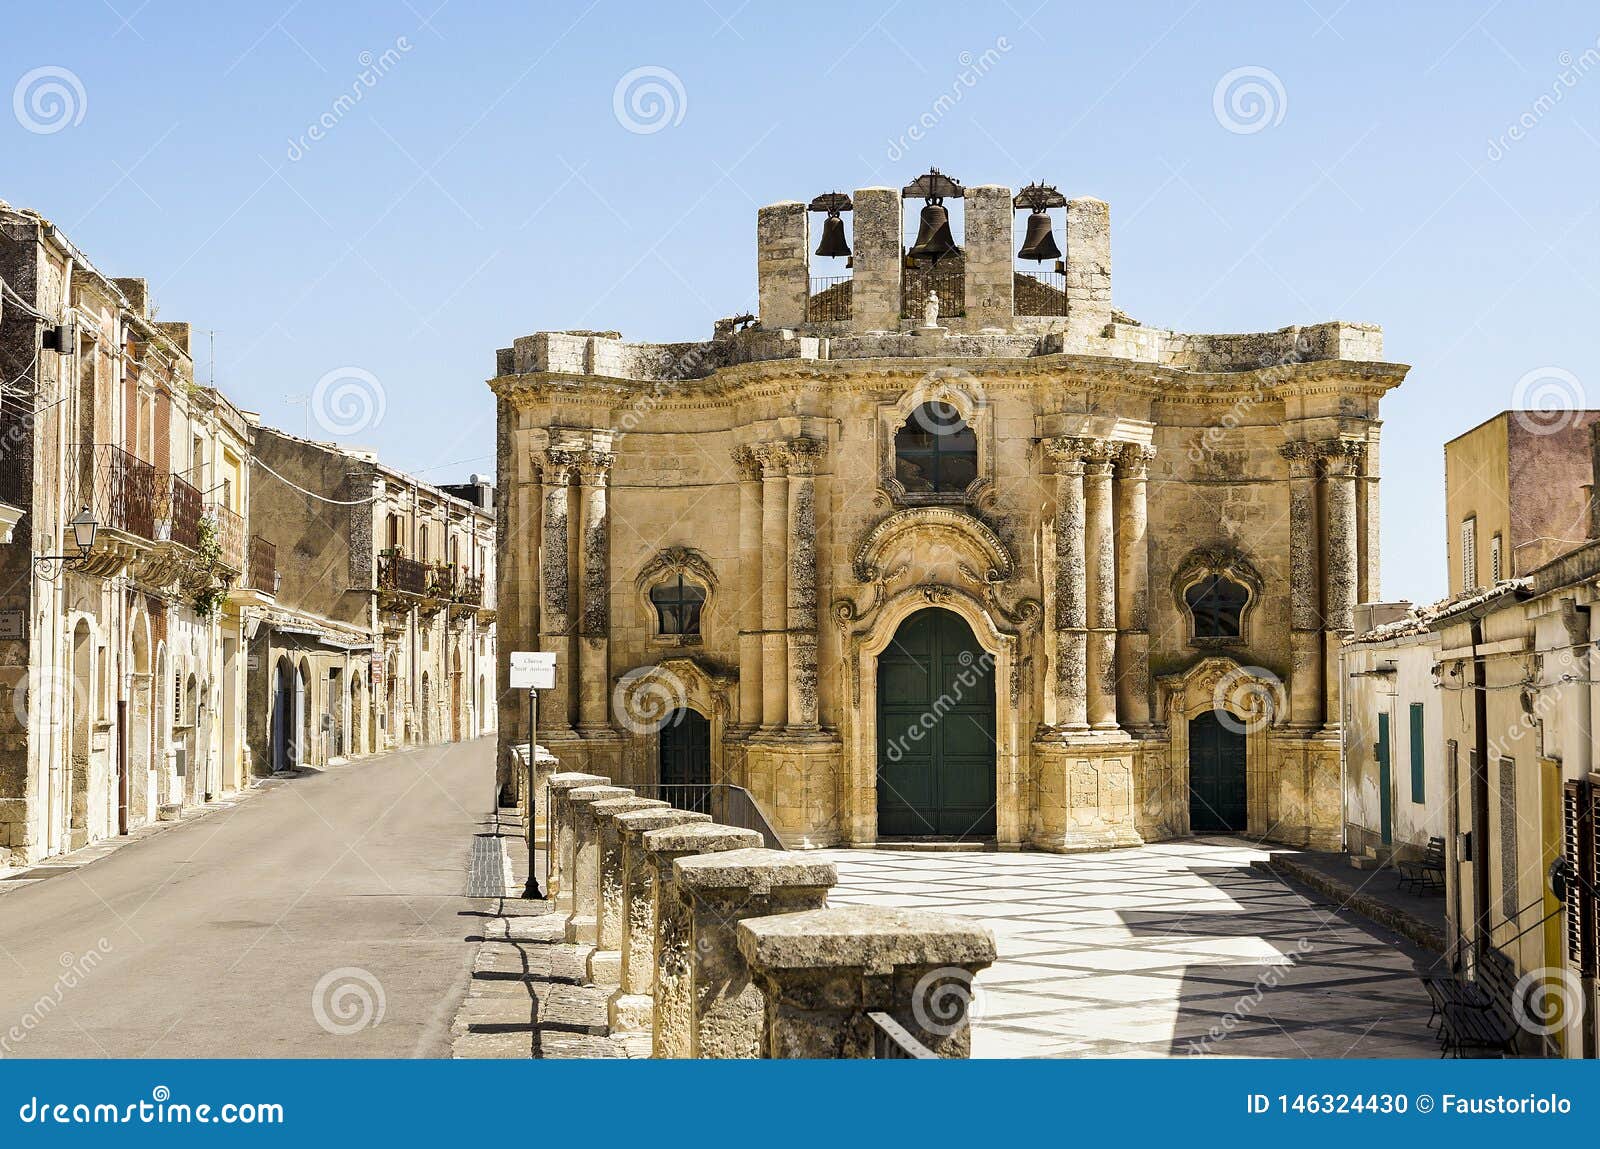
1162,951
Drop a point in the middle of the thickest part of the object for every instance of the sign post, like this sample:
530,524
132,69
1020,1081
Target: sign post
533,671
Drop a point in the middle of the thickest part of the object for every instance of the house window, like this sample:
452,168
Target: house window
1216,604
677,602
1495,569
935,452
1469,554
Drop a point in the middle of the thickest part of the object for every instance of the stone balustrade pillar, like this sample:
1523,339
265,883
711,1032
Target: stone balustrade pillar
802,615
879,242
1101,584
594,620
605,963
822,972
1070,689
673,958
719,891
558,888
774,583
782,263
555,590
750,526
586,859
1133,586
630,1008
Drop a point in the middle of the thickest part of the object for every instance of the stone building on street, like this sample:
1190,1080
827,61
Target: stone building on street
945,548
382,632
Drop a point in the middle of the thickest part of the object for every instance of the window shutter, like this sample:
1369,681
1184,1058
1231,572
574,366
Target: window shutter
1418,776
1496,564
1469,554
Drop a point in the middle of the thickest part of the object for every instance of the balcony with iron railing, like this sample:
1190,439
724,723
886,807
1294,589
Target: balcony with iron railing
231,541
263,565
119,489
180,510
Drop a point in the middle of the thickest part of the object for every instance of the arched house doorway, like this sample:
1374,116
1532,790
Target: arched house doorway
1219,716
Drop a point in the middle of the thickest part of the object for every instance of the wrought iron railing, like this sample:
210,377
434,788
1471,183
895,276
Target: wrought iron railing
947,277
1040,293
892,1041
728,805
181,508
829,299
119,489
467,589
230,536
263,565
407,576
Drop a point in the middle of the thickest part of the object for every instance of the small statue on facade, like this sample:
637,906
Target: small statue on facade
930,310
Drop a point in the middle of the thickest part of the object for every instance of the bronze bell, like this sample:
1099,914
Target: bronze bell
833,242
1040,243
934,240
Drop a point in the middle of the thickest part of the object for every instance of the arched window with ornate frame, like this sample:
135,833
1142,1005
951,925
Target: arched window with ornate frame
934,443
675,590
1217,589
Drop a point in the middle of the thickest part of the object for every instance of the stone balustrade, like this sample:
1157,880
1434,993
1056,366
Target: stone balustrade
822,972
673,1010
630,1008
605,963
583,917
718,891
559,884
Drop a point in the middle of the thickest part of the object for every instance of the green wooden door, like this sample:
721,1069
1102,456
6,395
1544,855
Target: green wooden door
1216,777
686,760
1385,782
936,746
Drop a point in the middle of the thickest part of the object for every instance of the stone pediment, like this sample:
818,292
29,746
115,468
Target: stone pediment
983,554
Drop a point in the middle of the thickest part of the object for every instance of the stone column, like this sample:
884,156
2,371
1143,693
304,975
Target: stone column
555,601
719,891
586,859
783,252
1341,464
594,623
875,283
1101,581
774,583
605,963
558,890
1133,587
630,1008
988,216
1071,609
674,958
1305,615
802,617
750,526
823,972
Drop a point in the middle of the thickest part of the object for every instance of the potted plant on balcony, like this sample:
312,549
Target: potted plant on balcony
205,581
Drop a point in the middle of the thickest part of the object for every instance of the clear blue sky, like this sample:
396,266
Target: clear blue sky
485,186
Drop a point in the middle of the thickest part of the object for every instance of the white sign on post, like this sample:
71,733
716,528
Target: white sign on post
533,670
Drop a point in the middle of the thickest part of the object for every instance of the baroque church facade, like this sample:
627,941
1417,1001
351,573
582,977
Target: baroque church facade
944,548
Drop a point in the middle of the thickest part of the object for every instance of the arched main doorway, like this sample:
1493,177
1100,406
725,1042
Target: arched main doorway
288,710
686,760
936,731
1217,795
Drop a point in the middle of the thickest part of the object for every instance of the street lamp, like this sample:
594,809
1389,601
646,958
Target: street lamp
84,526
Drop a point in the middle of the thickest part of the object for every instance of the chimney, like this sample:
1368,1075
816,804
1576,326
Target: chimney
782,264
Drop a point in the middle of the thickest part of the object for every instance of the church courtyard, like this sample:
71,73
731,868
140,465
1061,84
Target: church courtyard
1166,950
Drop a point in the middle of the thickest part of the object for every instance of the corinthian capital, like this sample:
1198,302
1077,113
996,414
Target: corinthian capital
1341,458
1133,460
560,462
595,466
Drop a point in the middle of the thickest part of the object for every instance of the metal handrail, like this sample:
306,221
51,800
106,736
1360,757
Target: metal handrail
230,536
892,1041
119,489
727,804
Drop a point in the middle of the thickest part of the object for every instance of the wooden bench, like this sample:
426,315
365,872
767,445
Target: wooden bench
1426,872
1477,1017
